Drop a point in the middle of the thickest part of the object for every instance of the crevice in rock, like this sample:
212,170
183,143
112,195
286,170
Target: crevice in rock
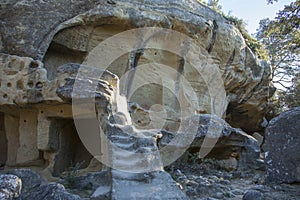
230,61
133,63
213,38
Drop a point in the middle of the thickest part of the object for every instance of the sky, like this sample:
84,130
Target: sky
252,11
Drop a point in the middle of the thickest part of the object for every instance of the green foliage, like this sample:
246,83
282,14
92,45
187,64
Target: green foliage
281,37
194,157
255,45
292,96
251,42
214,4
271,1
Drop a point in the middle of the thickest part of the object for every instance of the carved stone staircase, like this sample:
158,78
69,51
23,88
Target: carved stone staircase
136,167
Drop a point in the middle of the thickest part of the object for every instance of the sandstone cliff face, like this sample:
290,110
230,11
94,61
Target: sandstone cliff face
44,36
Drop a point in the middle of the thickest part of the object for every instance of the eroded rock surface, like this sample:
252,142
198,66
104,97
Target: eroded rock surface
282,141
80,27
34,187
226,143
47,124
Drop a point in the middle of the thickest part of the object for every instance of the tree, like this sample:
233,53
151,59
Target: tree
271,1
214,4
292,96
281,38
240,24
255,45
283,48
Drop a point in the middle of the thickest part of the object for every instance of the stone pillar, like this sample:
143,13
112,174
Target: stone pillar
11,125
47,140
3,141
27,150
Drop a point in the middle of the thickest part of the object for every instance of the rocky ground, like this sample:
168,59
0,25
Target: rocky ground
200,180
203,180
207,181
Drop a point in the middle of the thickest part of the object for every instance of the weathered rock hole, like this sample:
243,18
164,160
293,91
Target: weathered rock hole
25,120
12,63
8,84
11,72
5,96
30,84
39,96
39,85
34,64
20,85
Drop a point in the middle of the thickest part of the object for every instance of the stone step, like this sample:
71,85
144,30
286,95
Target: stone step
132,159
145,186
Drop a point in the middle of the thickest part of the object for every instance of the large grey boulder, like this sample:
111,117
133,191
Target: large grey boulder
253,195
148,186
222,141
51,191
282,145
34,187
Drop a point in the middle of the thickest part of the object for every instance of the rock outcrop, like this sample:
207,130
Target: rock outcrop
77,29
214,138
43,46
282,141
34,187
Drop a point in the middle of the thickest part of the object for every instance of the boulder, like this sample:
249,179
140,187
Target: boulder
10,187
102,193
282,141
51,191
30,179
152,185
94,185
222,142
253,195
34,186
